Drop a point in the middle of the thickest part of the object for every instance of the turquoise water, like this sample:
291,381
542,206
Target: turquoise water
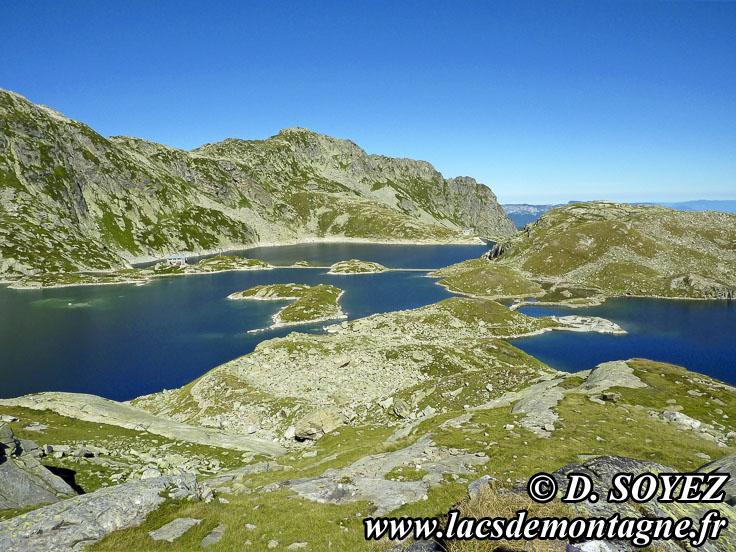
123,341
700,335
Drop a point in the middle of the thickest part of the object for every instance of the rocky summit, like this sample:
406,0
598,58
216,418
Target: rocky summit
73,200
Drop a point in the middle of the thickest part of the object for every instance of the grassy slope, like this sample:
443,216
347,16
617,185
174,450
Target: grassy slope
577,252
623,249
624,428
475,277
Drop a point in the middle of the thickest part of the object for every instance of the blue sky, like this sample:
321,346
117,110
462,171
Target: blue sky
542,101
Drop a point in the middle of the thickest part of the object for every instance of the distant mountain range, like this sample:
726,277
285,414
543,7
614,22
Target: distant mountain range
523,213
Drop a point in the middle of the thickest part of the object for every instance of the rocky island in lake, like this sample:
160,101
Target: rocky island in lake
356,266
310,304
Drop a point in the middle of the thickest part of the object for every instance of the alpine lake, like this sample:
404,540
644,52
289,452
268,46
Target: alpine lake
122,341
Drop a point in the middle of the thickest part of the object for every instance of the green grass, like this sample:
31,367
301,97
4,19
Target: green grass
321,525
483,278
310,303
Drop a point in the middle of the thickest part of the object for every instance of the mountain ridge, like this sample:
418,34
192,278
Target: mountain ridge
73,200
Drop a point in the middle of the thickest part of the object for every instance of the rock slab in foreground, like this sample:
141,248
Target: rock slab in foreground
24,481
75,523
91,408
214,536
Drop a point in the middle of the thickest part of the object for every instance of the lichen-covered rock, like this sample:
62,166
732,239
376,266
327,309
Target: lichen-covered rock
726,464
601,470
74,523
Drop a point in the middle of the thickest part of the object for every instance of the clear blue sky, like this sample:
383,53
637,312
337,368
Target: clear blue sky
542,101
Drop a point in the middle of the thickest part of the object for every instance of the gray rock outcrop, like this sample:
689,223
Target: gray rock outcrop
365,478
24,481
75,523
174,529
91,408
610,374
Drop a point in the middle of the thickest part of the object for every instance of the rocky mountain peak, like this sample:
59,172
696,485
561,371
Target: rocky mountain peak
73,200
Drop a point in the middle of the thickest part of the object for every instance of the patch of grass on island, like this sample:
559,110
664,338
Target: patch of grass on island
311,303
482,278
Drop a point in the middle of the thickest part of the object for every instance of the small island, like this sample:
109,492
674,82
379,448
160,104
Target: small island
356,266
311,303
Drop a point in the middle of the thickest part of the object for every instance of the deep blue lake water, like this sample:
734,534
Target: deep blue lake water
392,256
123,341
700,335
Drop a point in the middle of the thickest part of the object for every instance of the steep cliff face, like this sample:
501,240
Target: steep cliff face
71,199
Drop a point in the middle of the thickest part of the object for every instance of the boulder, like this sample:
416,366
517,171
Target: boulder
7,441
24,481
610,374
318,423
174,529
681,419
401,408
